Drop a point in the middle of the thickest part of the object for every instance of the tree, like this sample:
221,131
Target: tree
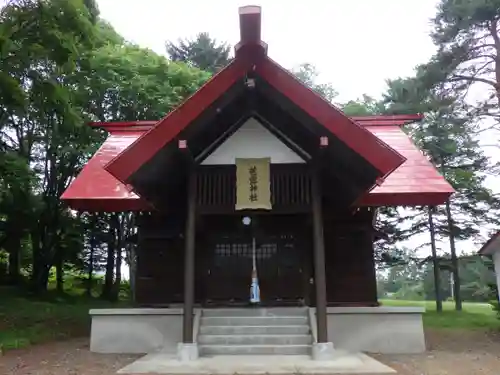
366,106
404,280
64,68
308,74
467,36
39,42
203,52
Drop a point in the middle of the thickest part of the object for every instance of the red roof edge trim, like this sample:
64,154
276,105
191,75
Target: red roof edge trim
403,199
122,124
108,205
382,120
387,120
378,153
411,117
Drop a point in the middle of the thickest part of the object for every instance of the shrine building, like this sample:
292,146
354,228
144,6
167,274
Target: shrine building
256,175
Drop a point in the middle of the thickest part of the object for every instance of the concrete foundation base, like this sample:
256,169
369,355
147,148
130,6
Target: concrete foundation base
322,351
388,330
187,352
135,331
384,329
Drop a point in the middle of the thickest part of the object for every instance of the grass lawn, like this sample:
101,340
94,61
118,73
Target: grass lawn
473,316
26,321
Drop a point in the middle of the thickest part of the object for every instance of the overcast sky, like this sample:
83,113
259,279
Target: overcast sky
355,44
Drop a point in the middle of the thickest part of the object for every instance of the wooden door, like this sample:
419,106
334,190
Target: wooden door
279,258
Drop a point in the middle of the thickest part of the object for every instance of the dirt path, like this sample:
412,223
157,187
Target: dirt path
62,358
450,353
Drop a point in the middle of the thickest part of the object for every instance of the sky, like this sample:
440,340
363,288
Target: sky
355,44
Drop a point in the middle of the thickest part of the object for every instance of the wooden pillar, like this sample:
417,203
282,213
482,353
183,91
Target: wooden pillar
319,257
189,259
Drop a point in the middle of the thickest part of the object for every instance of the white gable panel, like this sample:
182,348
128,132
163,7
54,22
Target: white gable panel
252,140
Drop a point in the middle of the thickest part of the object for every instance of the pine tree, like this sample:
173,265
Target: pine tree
203,52
466,34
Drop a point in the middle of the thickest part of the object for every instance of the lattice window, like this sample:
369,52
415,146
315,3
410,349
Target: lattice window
244,250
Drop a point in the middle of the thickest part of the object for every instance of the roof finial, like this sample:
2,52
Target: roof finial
250,27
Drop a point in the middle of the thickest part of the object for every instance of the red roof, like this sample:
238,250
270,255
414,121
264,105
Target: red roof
251,56
94,189
415,182
406,177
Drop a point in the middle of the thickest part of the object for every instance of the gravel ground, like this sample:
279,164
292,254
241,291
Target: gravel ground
450,353
62,358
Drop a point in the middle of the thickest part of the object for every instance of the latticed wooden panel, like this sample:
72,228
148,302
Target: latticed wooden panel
290,188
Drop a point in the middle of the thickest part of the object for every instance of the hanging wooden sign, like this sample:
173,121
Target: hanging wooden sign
253,184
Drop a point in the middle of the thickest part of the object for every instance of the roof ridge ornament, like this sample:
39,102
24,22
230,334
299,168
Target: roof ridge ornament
250,29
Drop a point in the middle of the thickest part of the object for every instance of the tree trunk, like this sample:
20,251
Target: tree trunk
59,270
133,270
40,278
118,280
130,253
91,266
40,271
118,260
107,288
454,260
435,264
13,247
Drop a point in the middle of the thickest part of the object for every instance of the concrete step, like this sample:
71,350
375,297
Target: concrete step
252,311
255,340
255,349
254,330
254,320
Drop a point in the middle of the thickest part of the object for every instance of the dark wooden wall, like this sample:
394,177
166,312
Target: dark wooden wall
350,269
160,261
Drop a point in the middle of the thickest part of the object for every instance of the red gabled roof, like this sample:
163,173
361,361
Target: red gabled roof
94,189
251,56
415,182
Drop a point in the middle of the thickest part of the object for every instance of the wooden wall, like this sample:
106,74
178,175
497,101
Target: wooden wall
350,269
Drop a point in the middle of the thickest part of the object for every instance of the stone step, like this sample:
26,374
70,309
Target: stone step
250,311
254,330
254,349
254,320
255,340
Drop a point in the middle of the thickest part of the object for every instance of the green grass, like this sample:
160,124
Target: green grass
473,316
25,321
